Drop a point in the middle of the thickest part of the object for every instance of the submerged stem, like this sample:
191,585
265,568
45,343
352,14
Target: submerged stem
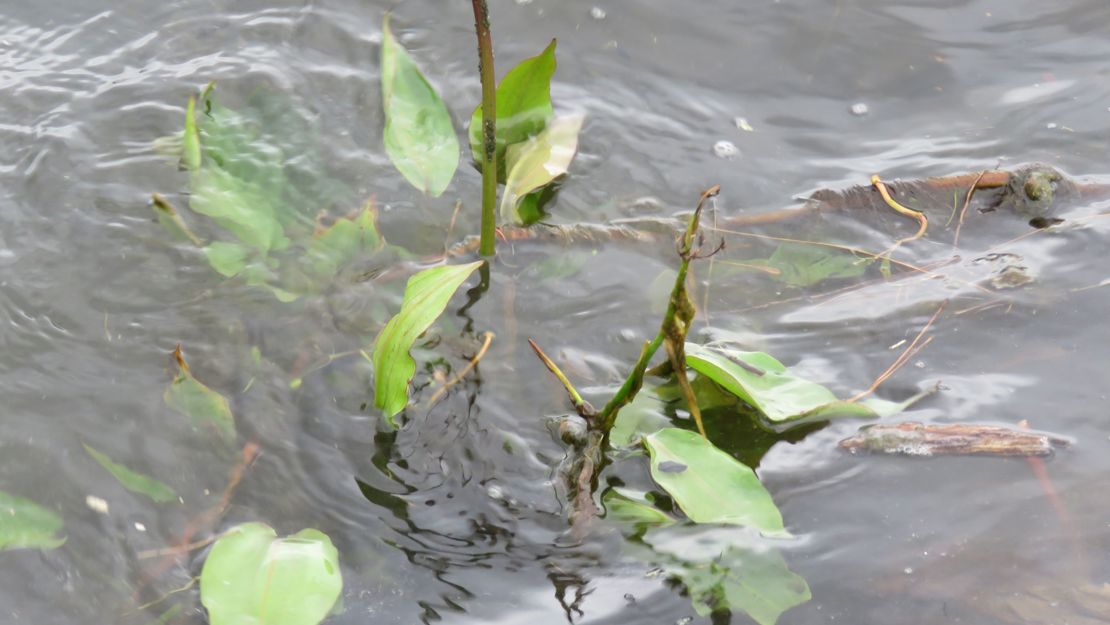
489,127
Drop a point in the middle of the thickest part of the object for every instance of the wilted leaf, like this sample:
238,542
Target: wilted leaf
419,137
538,161
25,524
426,295
252,577
805,265
204,407
713,487
132,481
523,105
784,399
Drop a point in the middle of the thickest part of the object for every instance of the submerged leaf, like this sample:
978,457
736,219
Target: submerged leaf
805,265
190,144
25,524
754,581
204,407
419,137
133,481
633,507
252,577
344,241
228,259
784,399
539,161
243,207
714,487
426,296
523,105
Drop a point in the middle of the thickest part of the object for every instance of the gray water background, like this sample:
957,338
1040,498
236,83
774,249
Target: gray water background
466,526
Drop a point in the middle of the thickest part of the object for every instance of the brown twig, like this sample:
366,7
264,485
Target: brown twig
207,518
915,346
487,338
963,211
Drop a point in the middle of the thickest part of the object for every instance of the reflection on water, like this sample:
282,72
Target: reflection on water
455,517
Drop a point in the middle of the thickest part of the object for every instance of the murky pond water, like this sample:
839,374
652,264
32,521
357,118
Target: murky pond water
456,517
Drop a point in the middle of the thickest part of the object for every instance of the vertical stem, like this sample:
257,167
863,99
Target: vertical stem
489,127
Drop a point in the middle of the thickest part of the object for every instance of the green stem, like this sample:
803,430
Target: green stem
489,128
627,391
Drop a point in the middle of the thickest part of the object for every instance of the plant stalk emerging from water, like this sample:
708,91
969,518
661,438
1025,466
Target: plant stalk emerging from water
489,127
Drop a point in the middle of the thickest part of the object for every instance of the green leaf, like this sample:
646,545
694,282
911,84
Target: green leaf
709,485
805,265
25,524
755,581
523,105
252,577
643,415
419,137
243,207
344,241
229,259
204,407
426,296
537,162
784,399
132,481
633,507
190,155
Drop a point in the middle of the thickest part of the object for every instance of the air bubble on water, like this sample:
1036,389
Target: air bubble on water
859,109
686,620
908,571
726,149
495,492
1050,125
597,13
742,124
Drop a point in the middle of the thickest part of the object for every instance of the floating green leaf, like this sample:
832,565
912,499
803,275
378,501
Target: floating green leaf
252,577
25,524
709,485
523,105
204,407
805,265
132,481
419,137
426,295
190,144
538,161
784,399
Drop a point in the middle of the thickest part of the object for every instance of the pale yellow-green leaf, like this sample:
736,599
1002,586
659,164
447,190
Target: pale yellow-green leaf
537,162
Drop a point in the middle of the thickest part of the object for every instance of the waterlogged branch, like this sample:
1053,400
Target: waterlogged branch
489,128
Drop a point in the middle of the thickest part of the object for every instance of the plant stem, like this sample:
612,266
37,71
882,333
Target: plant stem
489,127
627,391
581,406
